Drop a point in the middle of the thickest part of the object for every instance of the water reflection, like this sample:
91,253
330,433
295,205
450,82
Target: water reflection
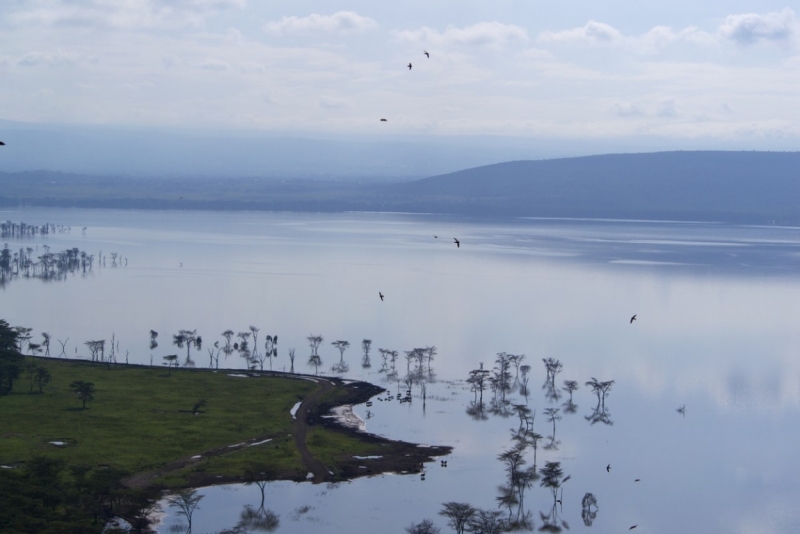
600,414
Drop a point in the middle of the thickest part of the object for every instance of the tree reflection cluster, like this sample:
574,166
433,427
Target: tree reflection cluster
49,266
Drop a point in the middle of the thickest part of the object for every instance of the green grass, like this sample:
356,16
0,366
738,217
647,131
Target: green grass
141,418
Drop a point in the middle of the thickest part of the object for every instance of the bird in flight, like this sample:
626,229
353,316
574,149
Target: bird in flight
436,237
2,143
427,55
608,468
380,295
682,410
383,120
633,527
638,480
457,242
409,66
633,318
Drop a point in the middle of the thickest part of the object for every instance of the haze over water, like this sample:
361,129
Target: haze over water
716,331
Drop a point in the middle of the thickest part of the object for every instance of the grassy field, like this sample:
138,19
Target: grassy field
141,419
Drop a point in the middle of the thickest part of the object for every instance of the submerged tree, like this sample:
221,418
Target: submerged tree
366,345
523,388
458,515
570,386
315,361
589,509
553,367
478,379
552,416
188,338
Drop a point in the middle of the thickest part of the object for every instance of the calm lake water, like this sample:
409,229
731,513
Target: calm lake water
717,306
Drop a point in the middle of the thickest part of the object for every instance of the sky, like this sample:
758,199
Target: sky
711,73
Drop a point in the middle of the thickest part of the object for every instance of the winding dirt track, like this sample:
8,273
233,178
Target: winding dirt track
313,465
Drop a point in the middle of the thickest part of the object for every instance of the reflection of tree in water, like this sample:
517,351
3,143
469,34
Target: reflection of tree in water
259,520
570,386
552,367
523,386
552,478
589,509
600,414
552,416
48,267
477,411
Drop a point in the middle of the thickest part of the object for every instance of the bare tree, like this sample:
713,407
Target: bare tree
255,332
487,522
291,359
63,347
314,342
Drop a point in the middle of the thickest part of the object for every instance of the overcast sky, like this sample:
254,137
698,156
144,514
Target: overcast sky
685,69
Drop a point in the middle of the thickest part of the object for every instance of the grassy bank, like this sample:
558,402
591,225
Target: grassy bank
141,418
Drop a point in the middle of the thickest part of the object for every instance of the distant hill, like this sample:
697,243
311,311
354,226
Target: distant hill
723,186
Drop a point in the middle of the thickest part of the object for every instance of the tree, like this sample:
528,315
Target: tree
171,361
83,390
39,376
316,361
254,330
425,526
187,501
314,342
551,477
188,338
366,344
291,359
487,522
458,515
552,416
502,374
46,343
478,379
552,367
430,354
153,342
341,346
270,350
11,359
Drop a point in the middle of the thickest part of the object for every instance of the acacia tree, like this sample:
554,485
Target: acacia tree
366,344
425,526
83,390
478,379
341,346
552,367
186,502
189,338
314,342
458,515
171,361
46,343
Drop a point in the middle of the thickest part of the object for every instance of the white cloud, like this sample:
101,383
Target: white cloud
592,32
480,34
116,14
626,109
339,22
32,59
750,28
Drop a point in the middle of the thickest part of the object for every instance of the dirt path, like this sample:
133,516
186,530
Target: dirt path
314,466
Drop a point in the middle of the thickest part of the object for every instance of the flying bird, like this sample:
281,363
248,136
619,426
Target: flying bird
383,120
638,480
633,527
380,295
436,237
457,242
608,468
409,66
633,318
567,478
682,410
2,143
427,55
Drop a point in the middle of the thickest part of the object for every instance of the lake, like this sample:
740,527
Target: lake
717,307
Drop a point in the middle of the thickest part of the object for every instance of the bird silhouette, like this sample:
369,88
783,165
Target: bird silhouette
682,410
380,295
608,468
638,480
633,318
409,66
633,527
383,120
2,143
436,237
457,242
427,55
